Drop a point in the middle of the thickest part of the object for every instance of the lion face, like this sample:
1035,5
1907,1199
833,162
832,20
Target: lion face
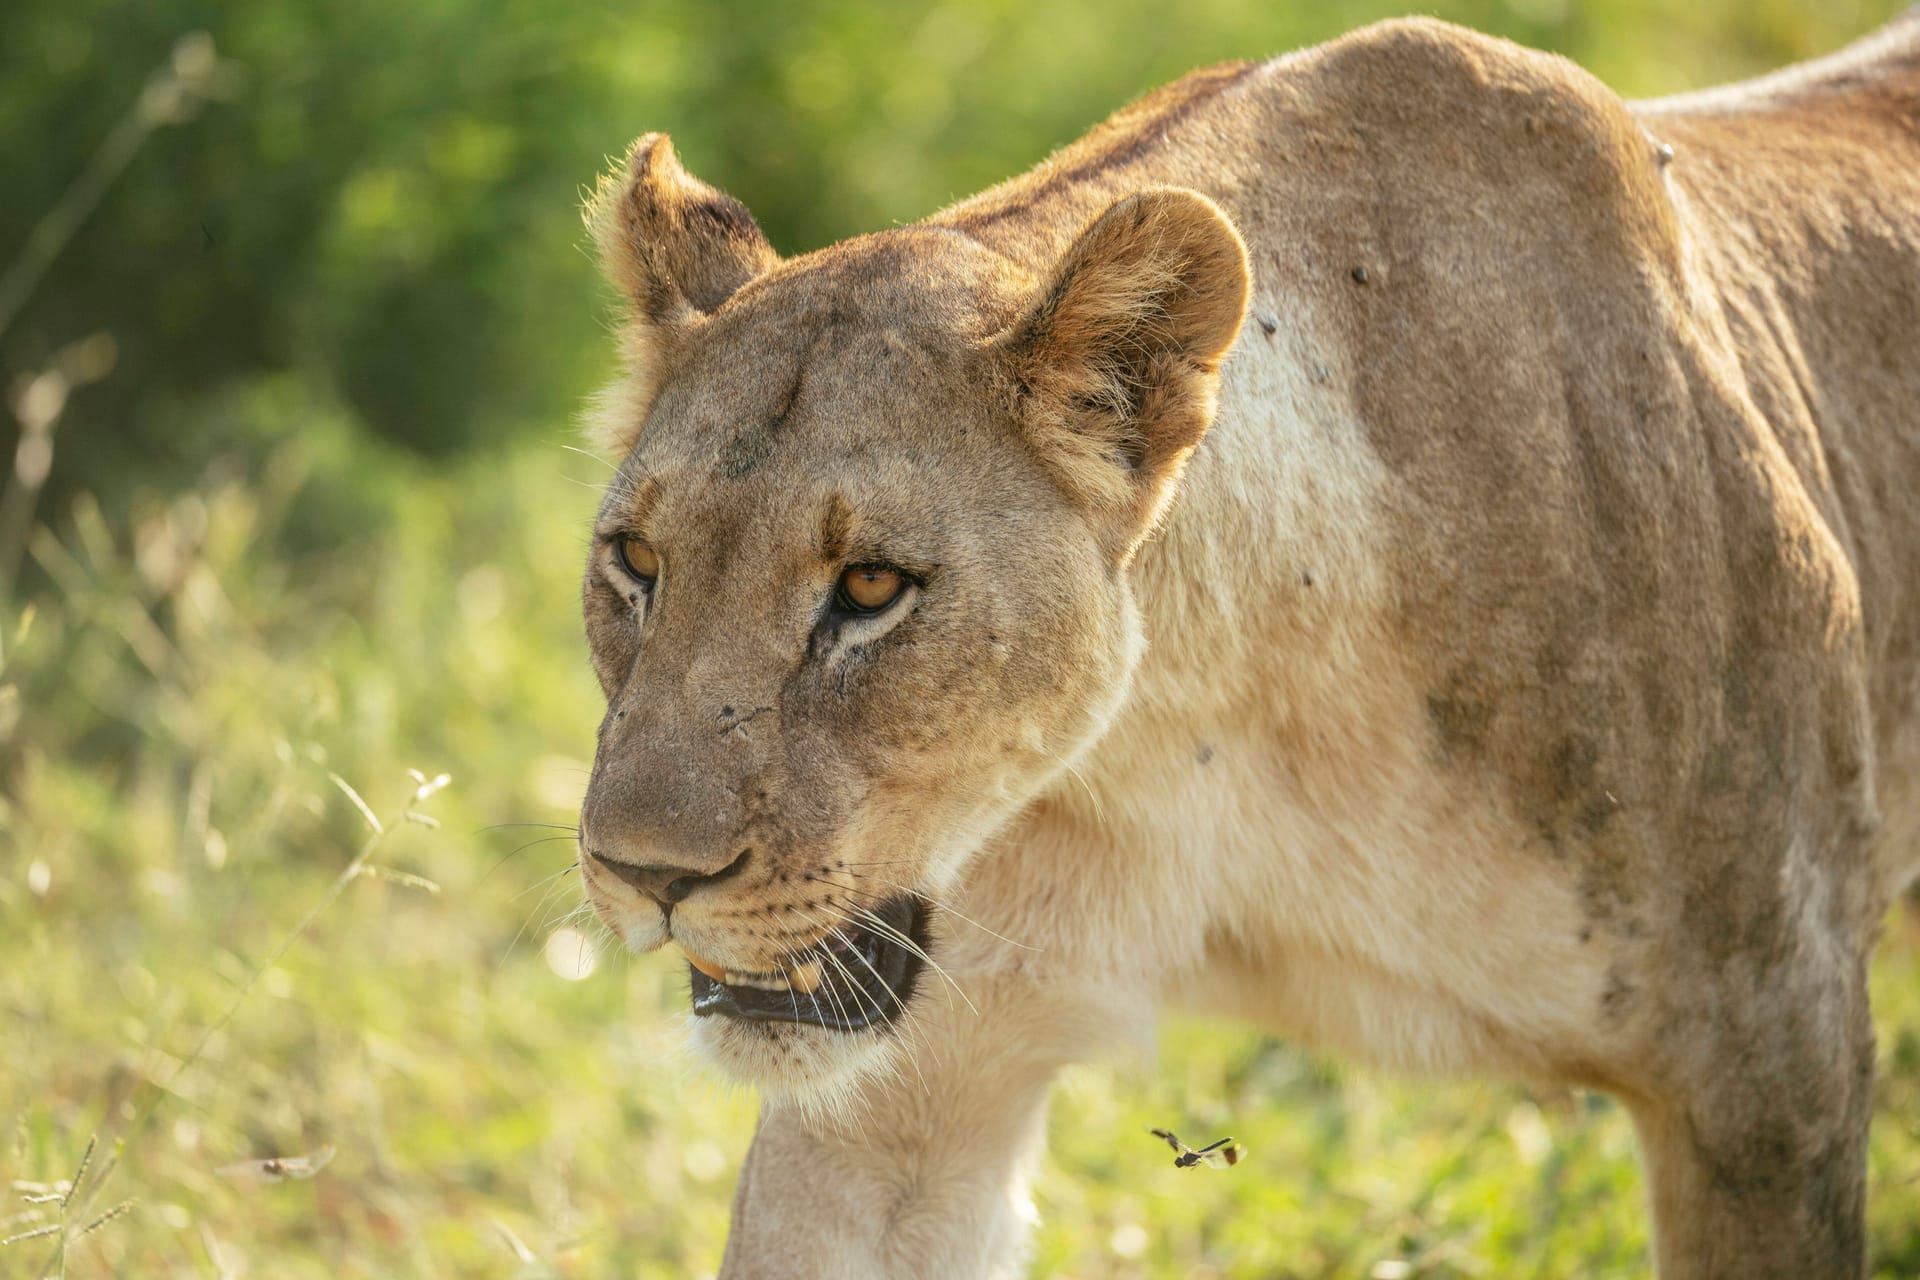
859,588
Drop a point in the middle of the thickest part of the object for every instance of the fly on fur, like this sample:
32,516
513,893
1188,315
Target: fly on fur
1219,1155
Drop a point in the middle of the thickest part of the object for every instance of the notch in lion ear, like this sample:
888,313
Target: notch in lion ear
676,248
1117,367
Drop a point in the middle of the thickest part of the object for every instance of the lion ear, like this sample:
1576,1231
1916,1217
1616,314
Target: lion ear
1117,367
676,248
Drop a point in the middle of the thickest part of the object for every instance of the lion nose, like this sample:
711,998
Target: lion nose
667,885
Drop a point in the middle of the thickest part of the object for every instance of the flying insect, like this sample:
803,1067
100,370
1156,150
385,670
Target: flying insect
1223,1154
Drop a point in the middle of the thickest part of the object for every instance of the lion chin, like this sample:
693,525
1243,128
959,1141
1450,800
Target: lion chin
816,1069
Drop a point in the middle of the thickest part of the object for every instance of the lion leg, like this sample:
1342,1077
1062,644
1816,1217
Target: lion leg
818,1200
1757,1160
925,1171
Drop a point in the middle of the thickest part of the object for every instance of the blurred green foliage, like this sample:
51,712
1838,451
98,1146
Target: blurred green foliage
313,519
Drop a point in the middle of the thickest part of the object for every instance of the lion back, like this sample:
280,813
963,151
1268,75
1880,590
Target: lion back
1639,599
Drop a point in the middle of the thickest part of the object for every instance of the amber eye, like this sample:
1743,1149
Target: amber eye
869,588
637,558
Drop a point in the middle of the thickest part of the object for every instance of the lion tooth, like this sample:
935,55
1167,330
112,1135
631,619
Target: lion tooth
758,981
717,972
805,978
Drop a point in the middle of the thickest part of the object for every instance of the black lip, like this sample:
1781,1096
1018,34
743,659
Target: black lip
869,986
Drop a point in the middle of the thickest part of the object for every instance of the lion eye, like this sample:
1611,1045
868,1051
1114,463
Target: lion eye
869,588
638,559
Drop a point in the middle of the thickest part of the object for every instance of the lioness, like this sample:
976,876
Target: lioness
1394,543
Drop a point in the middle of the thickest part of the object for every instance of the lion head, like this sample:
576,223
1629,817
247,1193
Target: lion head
860,588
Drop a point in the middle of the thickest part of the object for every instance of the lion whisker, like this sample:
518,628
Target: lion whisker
867,919
839,1007
858,1122
912,1059
949,909
920,1040
1099,811
548,884
833,996
505,858
588,453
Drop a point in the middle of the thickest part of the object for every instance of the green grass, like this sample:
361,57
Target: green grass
169,723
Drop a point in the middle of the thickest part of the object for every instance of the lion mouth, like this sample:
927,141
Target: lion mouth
860,975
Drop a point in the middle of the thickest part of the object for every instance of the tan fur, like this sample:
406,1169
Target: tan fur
1411,550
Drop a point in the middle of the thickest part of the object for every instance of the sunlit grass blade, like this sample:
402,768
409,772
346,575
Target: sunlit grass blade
123,1207
366,810
80,1173
407,878
514,1242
